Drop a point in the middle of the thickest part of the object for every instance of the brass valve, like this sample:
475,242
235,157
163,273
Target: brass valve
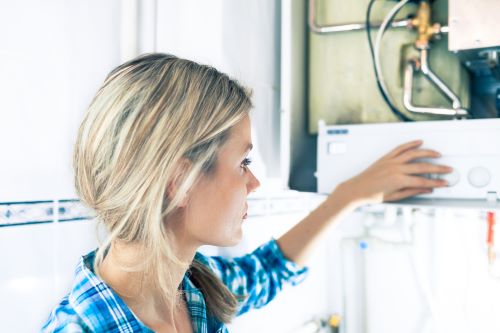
422,22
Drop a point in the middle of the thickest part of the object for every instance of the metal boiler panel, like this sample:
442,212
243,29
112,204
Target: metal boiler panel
342,88
473,24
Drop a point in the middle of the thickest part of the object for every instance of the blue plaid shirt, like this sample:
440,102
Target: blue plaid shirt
92,306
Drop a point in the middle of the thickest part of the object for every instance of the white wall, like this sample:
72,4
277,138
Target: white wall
53,57
37,268
242,39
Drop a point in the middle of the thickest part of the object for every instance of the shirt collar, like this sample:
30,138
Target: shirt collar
103,310
196,305
97,304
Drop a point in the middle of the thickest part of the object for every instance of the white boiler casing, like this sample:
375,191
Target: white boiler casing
471,147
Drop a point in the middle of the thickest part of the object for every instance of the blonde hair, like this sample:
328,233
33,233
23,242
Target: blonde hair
151,113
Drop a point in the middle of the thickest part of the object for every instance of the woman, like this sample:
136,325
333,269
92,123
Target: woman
161,157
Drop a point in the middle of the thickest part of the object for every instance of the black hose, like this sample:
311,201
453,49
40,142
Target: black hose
392,107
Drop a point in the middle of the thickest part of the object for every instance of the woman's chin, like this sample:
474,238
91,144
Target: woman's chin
232,241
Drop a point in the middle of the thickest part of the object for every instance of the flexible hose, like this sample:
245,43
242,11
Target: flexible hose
381,86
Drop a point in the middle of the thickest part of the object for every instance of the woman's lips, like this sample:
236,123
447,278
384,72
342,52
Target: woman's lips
246,211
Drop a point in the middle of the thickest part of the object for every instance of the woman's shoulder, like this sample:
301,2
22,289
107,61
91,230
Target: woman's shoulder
64,318
91,306
226,265
268,250
265,259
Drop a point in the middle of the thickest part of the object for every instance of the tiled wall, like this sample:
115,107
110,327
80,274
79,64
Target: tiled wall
38,256
25,213
51,211
41,242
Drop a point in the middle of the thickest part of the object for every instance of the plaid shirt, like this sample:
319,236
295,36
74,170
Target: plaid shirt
92,306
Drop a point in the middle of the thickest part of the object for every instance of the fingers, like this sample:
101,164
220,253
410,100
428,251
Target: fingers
421,182
423,168
404,147
406,193
414,154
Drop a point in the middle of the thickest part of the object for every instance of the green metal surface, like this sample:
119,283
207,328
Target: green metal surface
342,87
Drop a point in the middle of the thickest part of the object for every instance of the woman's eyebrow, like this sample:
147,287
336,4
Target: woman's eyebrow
249,147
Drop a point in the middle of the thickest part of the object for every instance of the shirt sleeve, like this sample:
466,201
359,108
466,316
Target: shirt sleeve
256,278
63,319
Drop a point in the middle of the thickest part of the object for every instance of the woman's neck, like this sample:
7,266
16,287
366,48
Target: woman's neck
141,293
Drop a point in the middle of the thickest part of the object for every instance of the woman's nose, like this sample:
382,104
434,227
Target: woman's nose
253,183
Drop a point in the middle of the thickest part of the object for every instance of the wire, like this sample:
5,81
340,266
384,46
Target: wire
378,41
380,84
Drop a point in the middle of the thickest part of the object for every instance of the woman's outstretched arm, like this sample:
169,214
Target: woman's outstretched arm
393,177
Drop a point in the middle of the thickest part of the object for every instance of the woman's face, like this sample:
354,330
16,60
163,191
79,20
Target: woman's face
217,204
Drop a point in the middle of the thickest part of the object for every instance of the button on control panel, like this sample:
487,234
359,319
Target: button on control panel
452,178
479,177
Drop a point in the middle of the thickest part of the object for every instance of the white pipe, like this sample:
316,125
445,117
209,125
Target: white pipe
129,30
286,68
427,71
147,26
408,96
325,29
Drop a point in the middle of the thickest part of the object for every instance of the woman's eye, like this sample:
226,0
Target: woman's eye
246,162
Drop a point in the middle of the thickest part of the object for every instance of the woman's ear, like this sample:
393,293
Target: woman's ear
173,186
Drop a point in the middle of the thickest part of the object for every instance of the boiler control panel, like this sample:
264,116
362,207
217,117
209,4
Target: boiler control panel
470,147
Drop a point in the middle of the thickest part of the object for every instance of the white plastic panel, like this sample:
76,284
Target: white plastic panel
468,146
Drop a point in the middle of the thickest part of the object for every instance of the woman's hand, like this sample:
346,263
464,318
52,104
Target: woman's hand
395,176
